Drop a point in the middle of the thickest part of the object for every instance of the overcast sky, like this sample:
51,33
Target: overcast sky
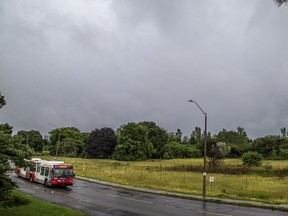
92,64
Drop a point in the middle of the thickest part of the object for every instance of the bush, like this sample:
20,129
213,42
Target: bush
283,154
14,200
45,153
176,150
252,159
173,150
193,152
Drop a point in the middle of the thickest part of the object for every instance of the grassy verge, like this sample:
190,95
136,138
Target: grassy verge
157,174
38,207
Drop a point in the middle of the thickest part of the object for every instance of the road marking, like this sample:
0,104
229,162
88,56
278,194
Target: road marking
214,213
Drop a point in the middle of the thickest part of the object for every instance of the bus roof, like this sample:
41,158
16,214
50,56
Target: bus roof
50,163
35,159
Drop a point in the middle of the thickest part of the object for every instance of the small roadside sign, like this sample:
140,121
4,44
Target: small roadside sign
211,179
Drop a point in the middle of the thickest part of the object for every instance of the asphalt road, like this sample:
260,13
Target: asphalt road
102,200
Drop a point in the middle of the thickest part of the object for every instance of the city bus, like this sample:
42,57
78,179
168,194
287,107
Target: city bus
49,173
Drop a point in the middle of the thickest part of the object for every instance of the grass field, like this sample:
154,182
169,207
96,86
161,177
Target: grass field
154,175
38,207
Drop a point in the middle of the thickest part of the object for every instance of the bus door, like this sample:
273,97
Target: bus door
37,173
27,174
48,174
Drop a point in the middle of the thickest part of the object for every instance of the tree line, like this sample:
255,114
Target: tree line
146,140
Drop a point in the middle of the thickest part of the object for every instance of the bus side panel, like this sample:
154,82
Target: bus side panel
22,172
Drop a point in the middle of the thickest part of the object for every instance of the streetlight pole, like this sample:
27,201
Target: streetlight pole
57,145
205,148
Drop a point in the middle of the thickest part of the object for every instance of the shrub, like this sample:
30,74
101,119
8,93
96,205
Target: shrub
193,152
176,150
14,200
217,153
45,153
283,153
252,159
173,150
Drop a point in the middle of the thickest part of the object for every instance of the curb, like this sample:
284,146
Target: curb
280,207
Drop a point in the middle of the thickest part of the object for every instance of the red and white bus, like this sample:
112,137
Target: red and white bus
49,173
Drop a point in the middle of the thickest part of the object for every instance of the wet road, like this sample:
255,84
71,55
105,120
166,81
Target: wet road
102,200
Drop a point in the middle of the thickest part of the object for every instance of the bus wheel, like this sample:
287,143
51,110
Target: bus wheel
31,179
45,183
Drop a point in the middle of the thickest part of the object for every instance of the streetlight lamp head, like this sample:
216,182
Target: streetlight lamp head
190,101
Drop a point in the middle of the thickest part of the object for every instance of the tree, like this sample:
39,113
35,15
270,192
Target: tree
2,101
223,148
65,136
238,141
280,2
133,143
10,150
284,132
69,147
238,137
6,184
195,137
32,138
216,153
178,135
85,136
267,145
185,140
101,143
157,136
6,128
283,151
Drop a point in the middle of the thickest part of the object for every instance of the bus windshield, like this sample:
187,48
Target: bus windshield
63,172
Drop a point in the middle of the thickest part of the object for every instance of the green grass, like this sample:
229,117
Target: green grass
38,207
153,175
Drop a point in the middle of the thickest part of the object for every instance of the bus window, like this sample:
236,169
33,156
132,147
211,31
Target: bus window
42,170
38,169
63,172
46,171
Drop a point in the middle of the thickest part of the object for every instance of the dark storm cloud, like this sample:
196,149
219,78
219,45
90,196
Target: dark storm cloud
91,64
